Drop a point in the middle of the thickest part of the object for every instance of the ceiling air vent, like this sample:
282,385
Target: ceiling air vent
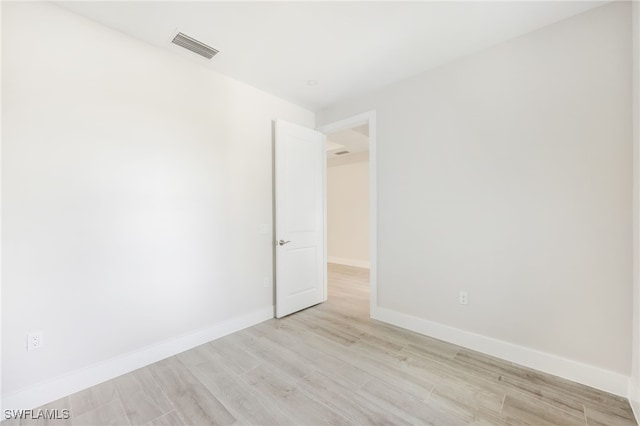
195,46
341,152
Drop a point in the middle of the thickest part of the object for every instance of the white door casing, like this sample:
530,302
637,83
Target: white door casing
300,173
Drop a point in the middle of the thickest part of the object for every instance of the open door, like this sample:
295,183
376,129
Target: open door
300,158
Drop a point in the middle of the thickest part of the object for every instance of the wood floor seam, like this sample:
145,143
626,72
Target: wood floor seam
525,395
96,407
586,415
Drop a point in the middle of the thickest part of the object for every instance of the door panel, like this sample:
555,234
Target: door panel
300,167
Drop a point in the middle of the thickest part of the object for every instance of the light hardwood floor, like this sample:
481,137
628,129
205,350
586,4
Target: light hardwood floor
331,364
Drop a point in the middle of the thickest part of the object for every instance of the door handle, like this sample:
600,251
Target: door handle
283,242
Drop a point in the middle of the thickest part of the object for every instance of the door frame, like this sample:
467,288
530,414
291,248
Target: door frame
369,118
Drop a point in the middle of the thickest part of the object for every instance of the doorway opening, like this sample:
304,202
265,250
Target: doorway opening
350,209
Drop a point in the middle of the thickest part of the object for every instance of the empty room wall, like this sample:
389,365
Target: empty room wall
634,385
348,213
134,186
508,174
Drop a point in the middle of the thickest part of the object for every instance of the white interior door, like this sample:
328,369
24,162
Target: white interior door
300,169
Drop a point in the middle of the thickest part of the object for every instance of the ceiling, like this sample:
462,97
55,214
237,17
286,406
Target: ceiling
351,140
347,48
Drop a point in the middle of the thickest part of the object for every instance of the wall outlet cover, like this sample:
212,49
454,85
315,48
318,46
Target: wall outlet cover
35,340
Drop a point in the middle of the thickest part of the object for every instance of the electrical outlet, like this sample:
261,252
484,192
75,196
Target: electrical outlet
464,298
35,340
266,282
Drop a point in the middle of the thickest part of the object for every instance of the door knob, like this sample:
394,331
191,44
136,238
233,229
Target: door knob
283,242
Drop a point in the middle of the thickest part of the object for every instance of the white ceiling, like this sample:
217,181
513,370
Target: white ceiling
352,140
349,48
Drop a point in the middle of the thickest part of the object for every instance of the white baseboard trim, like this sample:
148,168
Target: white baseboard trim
589,375
634,400
61,386
635,407
349,262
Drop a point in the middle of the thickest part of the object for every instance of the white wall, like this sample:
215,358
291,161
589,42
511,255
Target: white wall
634,384
508,174
348,213
134,184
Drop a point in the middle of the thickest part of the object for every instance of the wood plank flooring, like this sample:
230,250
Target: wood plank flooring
332,365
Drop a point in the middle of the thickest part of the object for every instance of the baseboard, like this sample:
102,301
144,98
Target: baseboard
56,388
349,262
635,407
634,400
589,375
